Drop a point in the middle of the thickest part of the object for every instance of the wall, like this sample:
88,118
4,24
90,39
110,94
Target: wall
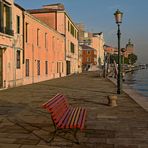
59,21
53,52
92,55
97,43
47,18
12,76
72,57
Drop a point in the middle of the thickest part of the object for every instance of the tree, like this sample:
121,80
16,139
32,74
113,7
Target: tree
132,58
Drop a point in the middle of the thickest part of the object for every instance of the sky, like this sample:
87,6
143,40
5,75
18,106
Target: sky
98,16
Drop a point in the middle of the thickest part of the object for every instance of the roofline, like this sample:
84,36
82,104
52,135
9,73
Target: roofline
88,47
20,7
34,11
42,23
53,4
42,10
71,20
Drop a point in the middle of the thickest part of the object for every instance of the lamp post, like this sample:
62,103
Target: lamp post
118,18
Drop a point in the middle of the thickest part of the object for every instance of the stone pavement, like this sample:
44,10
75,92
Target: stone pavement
24,124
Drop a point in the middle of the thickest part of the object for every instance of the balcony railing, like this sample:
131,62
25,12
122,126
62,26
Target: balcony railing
6,31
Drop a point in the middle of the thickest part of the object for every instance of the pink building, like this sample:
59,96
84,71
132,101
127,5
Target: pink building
98,43
30,50
44,51
56,17
11,44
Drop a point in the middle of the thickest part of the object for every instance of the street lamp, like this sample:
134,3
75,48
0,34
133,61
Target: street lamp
118,18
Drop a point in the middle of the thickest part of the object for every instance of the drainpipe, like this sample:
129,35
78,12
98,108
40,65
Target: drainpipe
65,33
32,63
14,65
23,40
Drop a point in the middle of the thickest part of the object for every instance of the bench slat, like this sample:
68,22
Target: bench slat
66,119
59,114
46,104
55,103
81,119
77,117
58,107
70,118
74,118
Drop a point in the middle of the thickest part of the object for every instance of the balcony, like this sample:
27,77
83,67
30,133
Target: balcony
6,31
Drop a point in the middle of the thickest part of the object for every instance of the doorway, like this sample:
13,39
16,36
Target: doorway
68,67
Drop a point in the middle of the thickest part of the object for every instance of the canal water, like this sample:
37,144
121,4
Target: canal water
138,80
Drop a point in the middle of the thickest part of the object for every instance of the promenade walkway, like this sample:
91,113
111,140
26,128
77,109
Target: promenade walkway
24,124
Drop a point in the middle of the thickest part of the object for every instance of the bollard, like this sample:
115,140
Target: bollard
112,100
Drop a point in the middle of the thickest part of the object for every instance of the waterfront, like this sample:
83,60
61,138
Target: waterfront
24,124
138,80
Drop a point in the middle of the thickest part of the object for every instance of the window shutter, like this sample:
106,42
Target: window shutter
1,17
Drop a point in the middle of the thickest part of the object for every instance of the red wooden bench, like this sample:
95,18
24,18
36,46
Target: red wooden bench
65,116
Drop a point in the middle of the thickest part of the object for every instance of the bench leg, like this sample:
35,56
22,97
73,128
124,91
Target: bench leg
53,136
58,132
75,136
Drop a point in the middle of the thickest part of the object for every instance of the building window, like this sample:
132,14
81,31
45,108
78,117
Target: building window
46,67
6,18
18,23
72,30
72,47
38,67
88,59
88,52
18,60
75,33
27,67
59,67
26,32
68,26
38,30
62,67
45,40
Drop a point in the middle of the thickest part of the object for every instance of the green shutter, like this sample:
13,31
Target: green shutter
1,17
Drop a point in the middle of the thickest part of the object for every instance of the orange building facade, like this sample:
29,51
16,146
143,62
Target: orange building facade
11,45
98,43
30,50
56,17
43,52
89,56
